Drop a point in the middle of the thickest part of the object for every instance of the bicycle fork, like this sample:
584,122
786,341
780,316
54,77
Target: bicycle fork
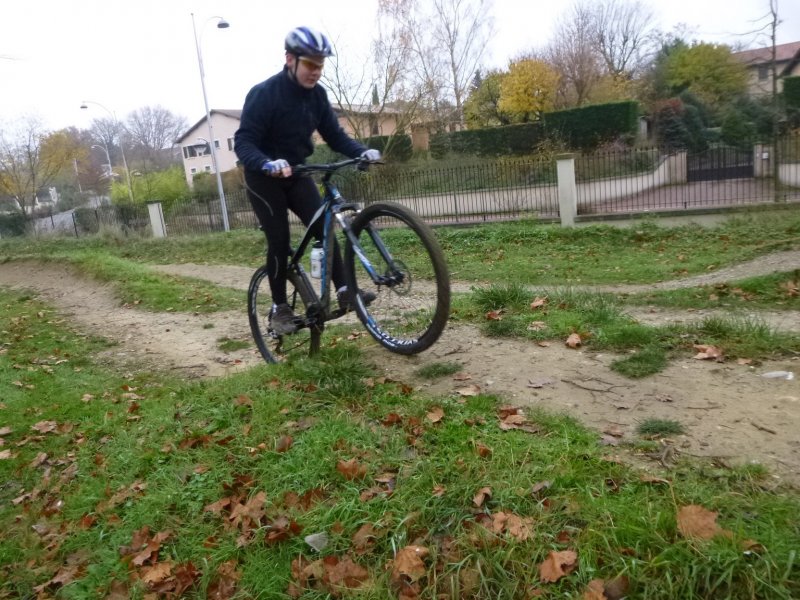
394,275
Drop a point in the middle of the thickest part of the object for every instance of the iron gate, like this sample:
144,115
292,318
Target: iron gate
720,162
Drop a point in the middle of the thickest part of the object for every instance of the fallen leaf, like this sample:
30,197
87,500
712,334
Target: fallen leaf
351,469
495,315
470,390
481,496
318,541
45,426
483,450
558,565
706,352
617,588
284,443
364,538
573,341
462,376
436,415
699,523
157,573
538,303
223,587
595,591
408,563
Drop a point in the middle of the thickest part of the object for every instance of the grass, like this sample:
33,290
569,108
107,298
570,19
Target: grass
228,476
436,370
599,320
659,428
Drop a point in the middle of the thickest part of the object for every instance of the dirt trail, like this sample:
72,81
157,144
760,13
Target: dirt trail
731,412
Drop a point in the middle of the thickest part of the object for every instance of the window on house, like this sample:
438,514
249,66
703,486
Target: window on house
207,168
192,170
763,72
216,144
230,144
195,150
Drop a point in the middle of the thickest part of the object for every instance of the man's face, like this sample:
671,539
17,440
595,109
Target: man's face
309,69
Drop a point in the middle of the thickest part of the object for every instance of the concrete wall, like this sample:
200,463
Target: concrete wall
789,174
672,169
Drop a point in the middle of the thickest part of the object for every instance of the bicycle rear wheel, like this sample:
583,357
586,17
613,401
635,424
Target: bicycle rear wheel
273,347
412,295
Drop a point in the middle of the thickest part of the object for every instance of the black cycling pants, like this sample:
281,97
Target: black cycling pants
272,198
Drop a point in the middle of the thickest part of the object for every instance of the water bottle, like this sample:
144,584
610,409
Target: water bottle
316,260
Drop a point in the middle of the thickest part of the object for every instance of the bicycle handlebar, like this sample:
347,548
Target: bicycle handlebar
331,167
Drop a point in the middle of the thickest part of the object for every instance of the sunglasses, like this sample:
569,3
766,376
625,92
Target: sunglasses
310,64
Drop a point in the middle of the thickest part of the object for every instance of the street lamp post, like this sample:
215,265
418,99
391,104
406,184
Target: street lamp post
84,106
104,148
221,24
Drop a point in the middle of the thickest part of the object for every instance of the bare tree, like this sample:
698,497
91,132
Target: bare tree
380,86
30,159
447,42
572,53
462,31
154,128
625,36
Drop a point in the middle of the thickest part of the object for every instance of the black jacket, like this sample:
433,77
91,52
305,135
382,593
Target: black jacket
278,119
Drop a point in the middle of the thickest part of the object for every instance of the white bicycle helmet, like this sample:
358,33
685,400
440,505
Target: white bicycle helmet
305,41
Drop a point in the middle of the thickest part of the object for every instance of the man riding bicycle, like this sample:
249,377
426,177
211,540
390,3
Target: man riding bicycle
278,119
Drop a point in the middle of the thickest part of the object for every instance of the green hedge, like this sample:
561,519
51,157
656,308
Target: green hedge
508,140
395,148
791,92
590,126
13,224
583,128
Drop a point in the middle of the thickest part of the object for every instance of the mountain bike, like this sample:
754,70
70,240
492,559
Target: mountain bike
389,251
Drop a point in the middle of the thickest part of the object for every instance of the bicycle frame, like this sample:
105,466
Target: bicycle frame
333,208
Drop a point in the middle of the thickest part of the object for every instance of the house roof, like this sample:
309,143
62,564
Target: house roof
338,108
228,112
758,56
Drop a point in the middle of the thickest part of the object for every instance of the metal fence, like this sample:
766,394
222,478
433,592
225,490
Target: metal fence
629,181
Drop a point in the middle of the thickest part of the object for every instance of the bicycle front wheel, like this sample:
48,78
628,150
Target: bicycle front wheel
276,348
410,280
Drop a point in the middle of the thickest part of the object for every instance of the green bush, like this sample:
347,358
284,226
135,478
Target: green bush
12,224
395,148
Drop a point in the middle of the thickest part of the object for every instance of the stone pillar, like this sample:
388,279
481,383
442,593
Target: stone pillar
567,189
762,155
157,219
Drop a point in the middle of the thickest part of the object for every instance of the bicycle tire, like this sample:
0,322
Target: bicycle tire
278,348
409,314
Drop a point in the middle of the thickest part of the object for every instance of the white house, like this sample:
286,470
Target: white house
194,144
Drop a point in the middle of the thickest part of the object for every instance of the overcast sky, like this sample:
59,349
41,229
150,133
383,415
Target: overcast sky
134,53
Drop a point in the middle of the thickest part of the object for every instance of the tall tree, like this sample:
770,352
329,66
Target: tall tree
482,107
30,159
528,90
709,71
